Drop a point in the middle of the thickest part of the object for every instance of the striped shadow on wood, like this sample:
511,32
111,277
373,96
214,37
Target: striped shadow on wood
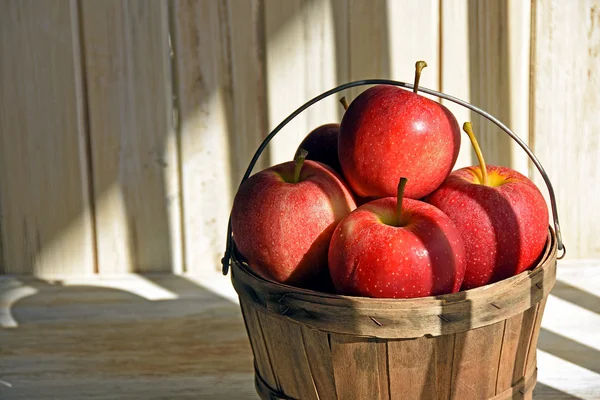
486,358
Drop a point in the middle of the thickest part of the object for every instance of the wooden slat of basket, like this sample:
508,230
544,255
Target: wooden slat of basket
513,357
531,353
289,360
258,344
445,358
318,352
412,369
359,367
475,364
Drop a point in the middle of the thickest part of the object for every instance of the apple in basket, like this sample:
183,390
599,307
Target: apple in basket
501,215
396,248
283,218
388,132
322,143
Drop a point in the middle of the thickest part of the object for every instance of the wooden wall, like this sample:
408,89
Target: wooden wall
125,126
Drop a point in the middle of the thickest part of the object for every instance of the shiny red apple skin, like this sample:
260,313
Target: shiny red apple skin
388,132
504,227
369,256
322,146
283,229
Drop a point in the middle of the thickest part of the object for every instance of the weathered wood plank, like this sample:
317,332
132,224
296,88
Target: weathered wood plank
445,359
202,66
368,42
354,362
515,345
318,354
246,41
301,63
530,360
416,38
133,143
488,50
412,367
455,67
565,126
45,214
474,372
259,345
289,360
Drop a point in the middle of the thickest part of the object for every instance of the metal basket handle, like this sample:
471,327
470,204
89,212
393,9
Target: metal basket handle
229,246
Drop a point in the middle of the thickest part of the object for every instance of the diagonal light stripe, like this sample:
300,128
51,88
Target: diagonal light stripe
567,377
134,284
572,321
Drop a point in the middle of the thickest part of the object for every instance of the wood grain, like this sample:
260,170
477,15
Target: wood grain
301,63
246,43
202,65
531,352
474,371
133,143
256,336
489,75
515,346
368,42
566,97
455,78
320,362
445,362
412,369
45,217
289,359
357,367
416,38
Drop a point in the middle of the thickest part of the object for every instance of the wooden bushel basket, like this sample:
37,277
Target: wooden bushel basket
474,344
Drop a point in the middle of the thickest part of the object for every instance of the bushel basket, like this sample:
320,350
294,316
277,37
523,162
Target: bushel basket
474,344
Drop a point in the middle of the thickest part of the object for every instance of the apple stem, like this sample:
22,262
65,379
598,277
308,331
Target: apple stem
419,65
400,198
298,163
344,102
468,128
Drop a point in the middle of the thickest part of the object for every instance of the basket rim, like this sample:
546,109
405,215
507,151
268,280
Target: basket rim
400,318
549,249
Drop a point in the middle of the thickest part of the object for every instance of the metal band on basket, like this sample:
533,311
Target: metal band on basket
265,391
229,243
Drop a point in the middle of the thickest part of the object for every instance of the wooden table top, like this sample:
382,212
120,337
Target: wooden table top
181,337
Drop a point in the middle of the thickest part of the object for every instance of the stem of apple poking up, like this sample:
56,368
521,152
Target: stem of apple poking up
298,163
344,103
469,131
400,198
419,65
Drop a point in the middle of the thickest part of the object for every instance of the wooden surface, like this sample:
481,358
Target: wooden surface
45,218
133,145
160,337
565,126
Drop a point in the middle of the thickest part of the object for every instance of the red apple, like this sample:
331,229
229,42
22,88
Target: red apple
382,250
501,215
322,143
388,132
322,146
283,218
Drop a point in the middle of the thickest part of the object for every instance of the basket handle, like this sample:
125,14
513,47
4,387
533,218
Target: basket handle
229,244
